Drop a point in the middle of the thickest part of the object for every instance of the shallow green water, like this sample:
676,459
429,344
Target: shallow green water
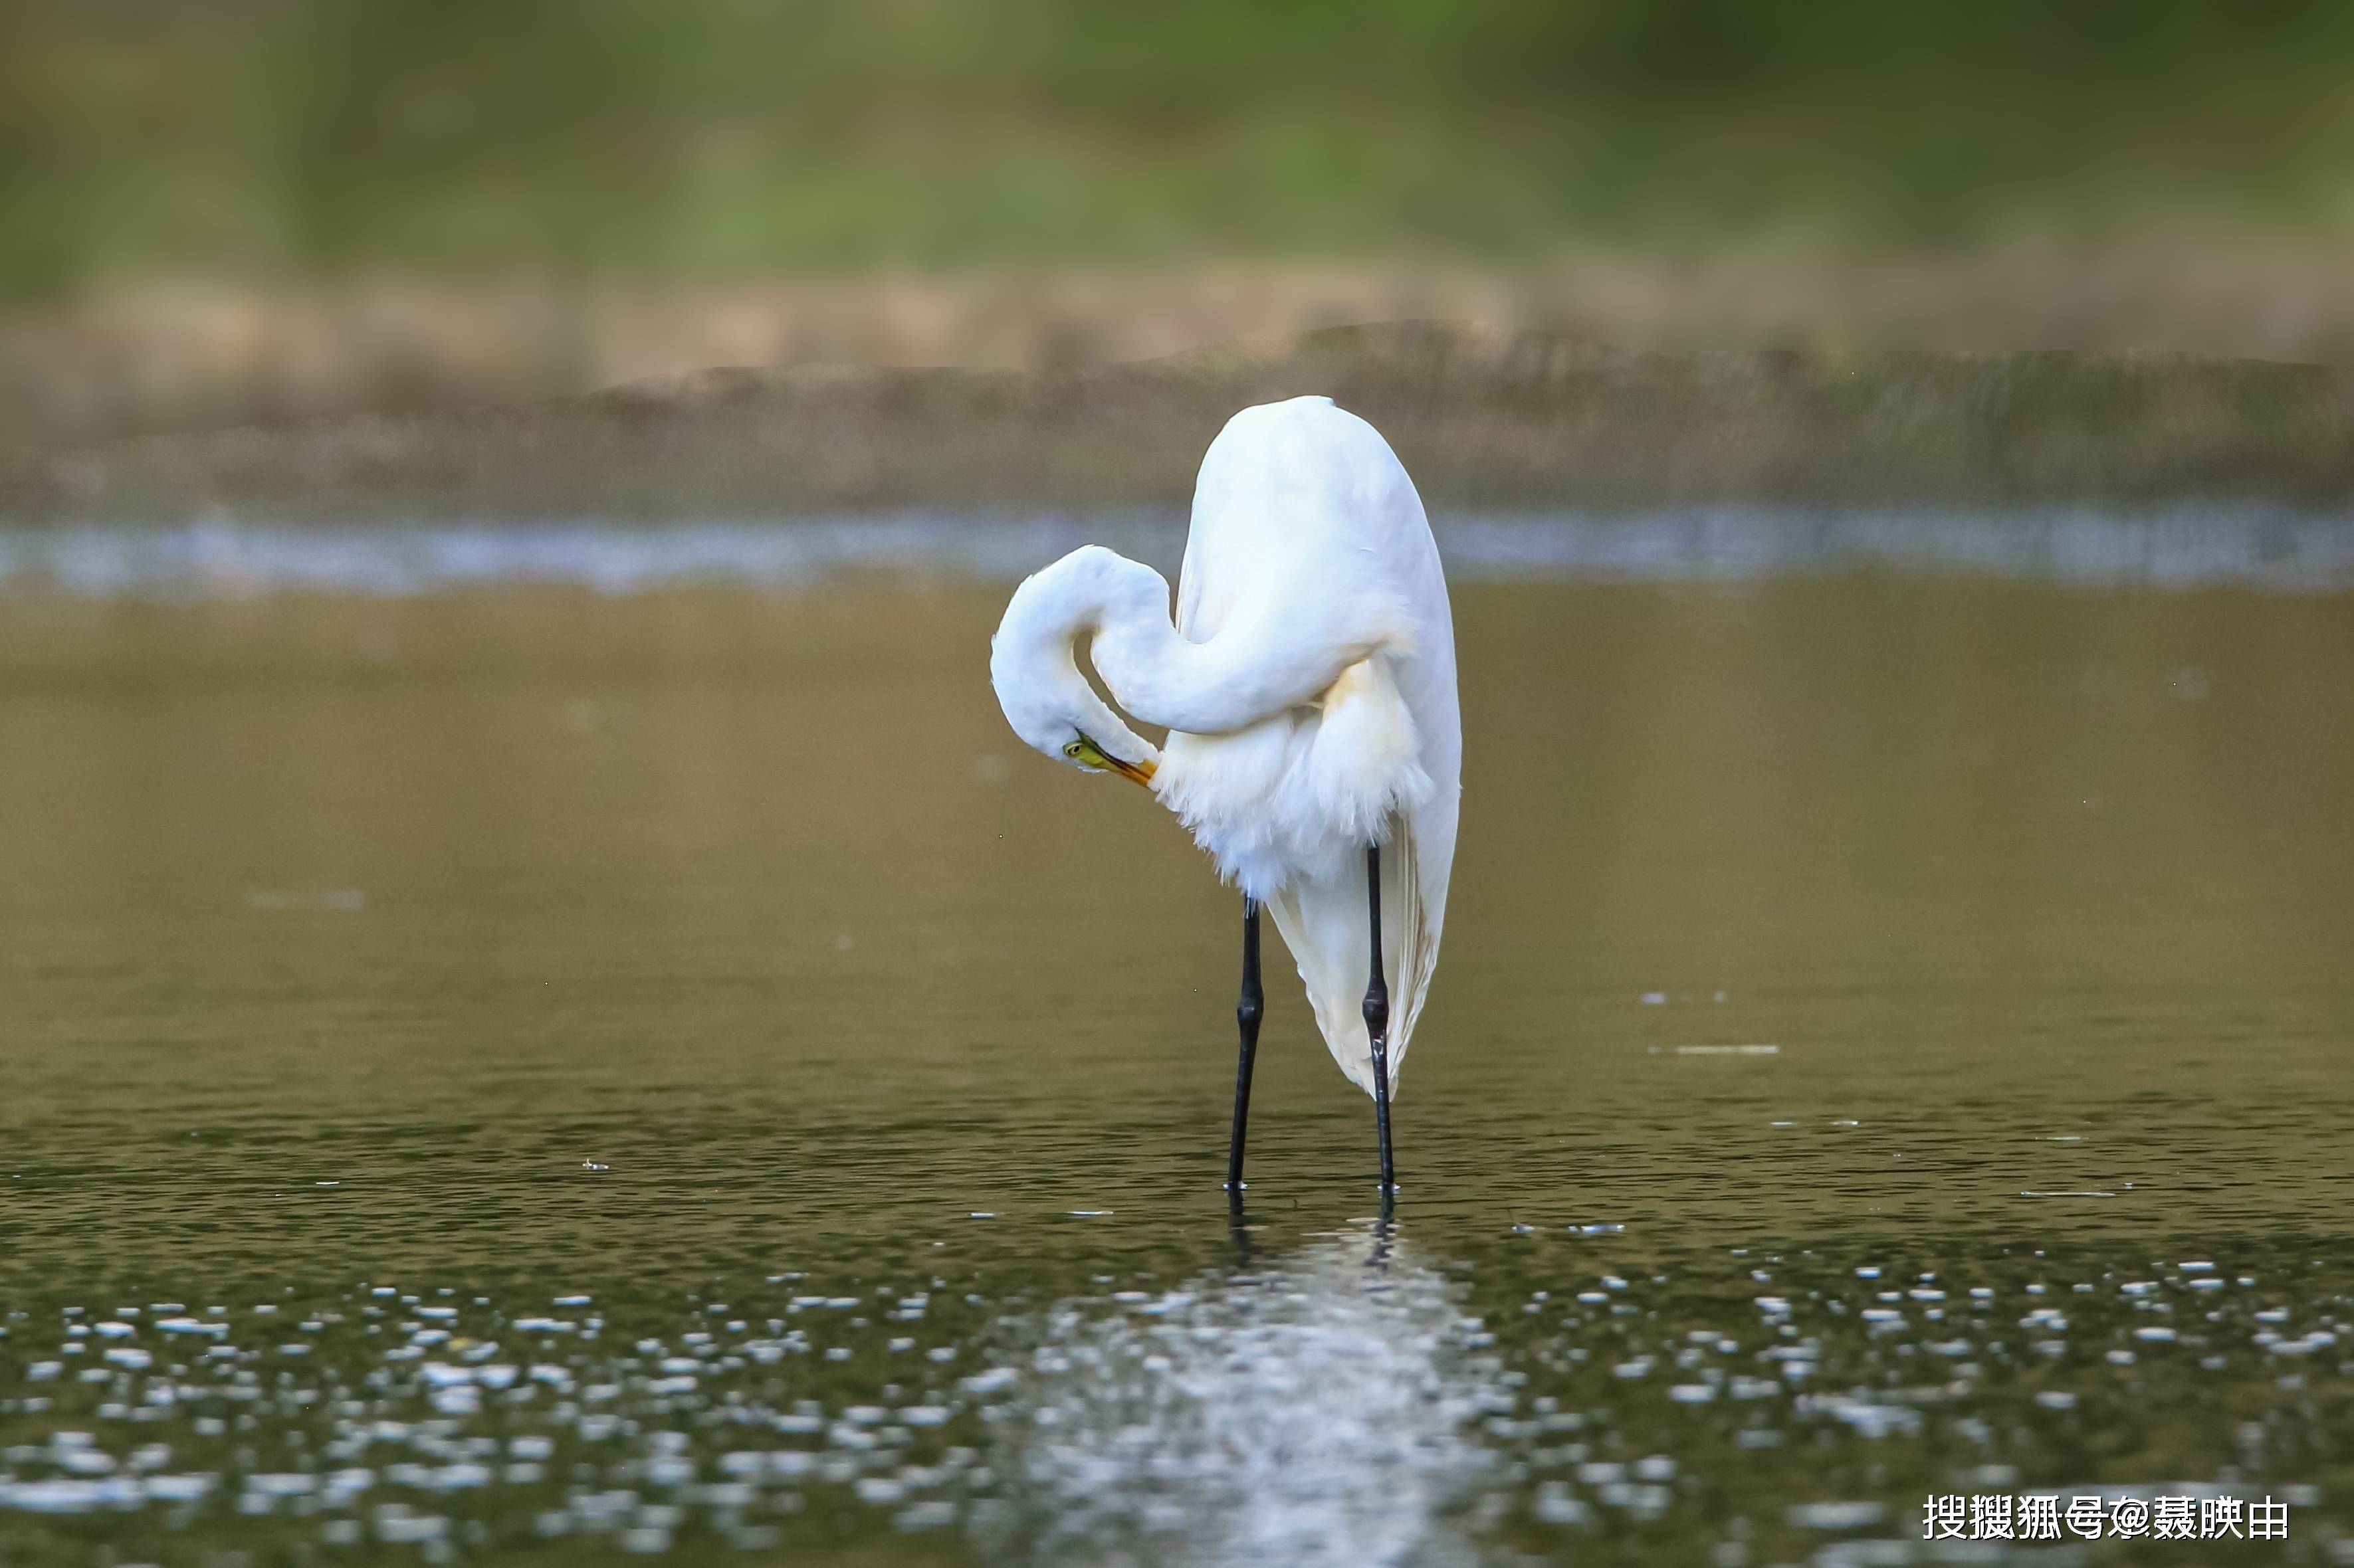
375,971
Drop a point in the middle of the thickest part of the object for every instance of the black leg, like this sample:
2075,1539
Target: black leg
1378,1020
1247,1013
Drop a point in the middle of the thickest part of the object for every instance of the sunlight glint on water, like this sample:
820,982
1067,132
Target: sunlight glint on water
1320,1411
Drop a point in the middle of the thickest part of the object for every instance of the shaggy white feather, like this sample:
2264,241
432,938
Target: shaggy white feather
1300,795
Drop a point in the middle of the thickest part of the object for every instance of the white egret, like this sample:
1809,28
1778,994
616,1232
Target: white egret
1308,685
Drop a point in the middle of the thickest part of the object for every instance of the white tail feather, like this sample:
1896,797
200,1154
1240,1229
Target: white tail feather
1325,923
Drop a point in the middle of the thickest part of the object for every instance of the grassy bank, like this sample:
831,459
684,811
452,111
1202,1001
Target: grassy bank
1491,420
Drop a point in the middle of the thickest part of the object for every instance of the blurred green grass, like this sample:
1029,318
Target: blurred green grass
702,138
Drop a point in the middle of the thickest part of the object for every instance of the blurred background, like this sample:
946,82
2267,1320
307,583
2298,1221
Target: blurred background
256,210
503,507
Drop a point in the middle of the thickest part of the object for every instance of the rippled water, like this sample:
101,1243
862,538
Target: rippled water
524,1075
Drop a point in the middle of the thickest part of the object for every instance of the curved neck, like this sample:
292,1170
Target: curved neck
1250,670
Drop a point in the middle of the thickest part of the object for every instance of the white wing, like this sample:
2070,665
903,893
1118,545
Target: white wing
1297,502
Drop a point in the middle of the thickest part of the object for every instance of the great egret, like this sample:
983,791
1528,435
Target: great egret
1308,686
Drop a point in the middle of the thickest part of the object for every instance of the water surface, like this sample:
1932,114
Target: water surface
527,1074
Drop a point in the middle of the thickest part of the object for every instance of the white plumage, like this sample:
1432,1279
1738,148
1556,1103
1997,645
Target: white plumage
1308,684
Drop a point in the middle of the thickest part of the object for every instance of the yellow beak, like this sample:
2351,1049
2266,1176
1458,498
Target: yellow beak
1134,772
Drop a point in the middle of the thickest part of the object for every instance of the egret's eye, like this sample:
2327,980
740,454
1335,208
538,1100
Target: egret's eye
1075,750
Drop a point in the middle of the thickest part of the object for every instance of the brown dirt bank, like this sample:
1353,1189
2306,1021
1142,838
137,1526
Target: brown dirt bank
1497,419
143,359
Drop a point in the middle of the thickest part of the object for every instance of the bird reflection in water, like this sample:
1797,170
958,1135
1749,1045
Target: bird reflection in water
1313,1407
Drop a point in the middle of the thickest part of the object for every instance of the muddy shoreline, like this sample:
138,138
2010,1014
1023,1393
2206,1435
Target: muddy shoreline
1484,419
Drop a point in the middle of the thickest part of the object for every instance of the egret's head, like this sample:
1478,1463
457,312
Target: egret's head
1083,751
1034,664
